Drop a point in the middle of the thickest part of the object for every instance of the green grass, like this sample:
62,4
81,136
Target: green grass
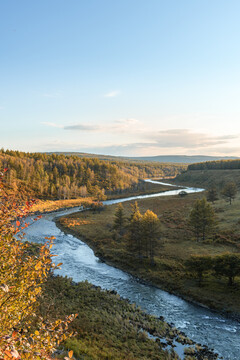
177,244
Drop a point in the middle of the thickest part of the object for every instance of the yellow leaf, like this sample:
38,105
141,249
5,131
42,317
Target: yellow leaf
70,354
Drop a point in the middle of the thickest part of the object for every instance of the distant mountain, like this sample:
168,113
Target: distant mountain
183,159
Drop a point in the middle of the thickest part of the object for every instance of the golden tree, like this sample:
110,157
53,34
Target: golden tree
23,335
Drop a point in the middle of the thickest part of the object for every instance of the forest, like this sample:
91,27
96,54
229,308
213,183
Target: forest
52,176
216,165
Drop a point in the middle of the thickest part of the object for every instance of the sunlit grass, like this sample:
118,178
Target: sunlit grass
53,205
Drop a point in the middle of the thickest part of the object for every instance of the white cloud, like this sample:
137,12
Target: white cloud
113,93
185,138
118,126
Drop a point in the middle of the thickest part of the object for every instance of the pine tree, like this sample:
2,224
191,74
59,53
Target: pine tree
119,219
202,218
212,194
198,265
230,191
227,265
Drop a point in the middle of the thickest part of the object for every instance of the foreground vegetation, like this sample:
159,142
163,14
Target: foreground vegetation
23,334
175,246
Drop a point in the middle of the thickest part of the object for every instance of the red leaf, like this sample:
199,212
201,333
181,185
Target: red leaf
18,223
14,334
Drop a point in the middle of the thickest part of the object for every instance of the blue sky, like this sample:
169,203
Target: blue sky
127,77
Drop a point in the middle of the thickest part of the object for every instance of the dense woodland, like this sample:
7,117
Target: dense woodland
66,177
216,165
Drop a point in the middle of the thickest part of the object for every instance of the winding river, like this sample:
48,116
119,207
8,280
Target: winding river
80,263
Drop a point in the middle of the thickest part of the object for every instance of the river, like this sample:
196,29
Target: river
79,262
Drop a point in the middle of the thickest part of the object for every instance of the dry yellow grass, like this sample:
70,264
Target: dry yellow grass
43,206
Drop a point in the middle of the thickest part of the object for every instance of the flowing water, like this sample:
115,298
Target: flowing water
80,263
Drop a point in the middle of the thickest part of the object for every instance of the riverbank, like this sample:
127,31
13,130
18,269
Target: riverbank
175,246
48,206
110,327
144,188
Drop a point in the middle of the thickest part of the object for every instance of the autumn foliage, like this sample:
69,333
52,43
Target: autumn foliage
23,335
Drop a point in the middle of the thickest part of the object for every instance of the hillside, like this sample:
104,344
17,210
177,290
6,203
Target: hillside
69,177
208,178
210,173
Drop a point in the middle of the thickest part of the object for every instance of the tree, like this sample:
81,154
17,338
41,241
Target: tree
227,265
230,191
199,264
23,335
99,194
151,233
134,208
135,231
202,218
119,219
212,195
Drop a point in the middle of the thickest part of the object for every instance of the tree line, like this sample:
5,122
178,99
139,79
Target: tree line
216,165
67,176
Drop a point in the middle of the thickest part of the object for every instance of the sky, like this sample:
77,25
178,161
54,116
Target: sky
128,77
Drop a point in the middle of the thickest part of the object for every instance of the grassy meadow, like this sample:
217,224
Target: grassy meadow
175,246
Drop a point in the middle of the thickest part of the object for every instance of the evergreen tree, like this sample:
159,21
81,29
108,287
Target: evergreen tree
212,194
230,191
202,219
119,219
227,265
199,264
